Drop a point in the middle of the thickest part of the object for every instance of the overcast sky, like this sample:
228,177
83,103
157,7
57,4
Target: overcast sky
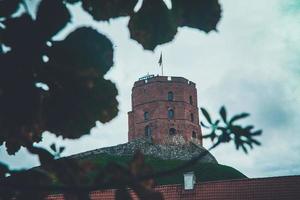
252,64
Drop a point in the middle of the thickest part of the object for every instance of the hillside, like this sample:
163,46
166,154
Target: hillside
203,171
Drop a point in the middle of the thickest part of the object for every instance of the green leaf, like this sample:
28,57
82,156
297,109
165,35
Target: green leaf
107,9
152,25
223,114
206,115
201,14
237,117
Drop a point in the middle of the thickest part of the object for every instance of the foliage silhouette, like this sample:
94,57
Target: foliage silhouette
228,130
73,69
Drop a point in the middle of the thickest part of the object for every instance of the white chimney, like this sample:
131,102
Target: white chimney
189,180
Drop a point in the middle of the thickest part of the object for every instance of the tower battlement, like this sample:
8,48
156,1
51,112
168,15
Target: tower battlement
151,79
164,109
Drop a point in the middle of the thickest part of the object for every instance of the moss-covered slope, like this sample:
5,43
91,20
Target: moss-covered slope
203,171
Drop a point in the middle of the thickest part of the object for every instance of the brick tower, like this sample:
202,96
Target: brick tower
164,108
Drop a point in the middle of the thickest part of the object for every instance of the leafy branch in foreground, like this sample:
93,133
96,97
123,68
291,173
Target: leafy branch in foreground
72,70
225,130
37,183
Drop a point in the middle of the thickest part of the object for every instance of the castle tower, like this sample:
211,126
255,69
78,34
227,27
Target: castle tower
164,107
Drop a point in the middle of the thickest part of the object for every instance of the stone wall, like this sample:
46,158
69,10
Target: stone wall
177,149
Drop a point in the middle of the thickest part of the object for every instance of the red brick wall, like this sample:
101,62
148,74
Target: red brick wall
274,188
152,96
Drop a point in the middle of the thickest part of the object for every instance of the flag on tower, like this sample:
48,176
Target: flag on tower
160,60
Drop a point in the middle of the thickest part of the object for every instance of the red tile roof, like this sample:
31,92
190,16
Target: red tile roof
283,188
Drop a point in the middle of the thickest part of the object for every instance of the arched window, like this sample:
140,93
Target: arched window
192,117
172,131
147,131
170,96
170,113
194,134
191,100
146,115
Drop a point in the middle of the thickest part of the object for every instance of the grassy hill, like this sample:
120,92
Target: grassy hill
203,171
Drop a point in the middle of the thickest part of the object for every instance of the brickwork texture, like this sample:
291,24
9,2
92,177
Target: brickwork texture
273,188
162,107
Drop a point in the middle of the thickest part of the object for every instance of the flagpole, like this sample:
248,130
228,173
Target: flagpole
160,63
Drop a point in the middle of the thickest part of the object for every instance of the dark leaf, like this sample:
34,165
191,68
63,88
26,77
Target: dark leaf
201,14
79,95
53,147
72,1
47,23
255,141
249,128
216,123
237,143
223,114
244,148
259,132
249,143
61,149
3,170
237,117
20,104
206,136
206,115
73,107
85,52
12,146
213,135
216,144
30,178
45,157
107,9
28,39
202,124
152,25
8,7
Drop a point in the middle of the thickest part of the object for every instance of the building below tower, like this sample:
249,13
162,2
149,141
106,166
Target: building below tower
165,110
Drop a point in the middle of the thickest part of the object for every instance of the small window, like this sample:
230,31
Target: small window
191,100
172,131
146,115
192,117
170,113
170,96
194,134
147,131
